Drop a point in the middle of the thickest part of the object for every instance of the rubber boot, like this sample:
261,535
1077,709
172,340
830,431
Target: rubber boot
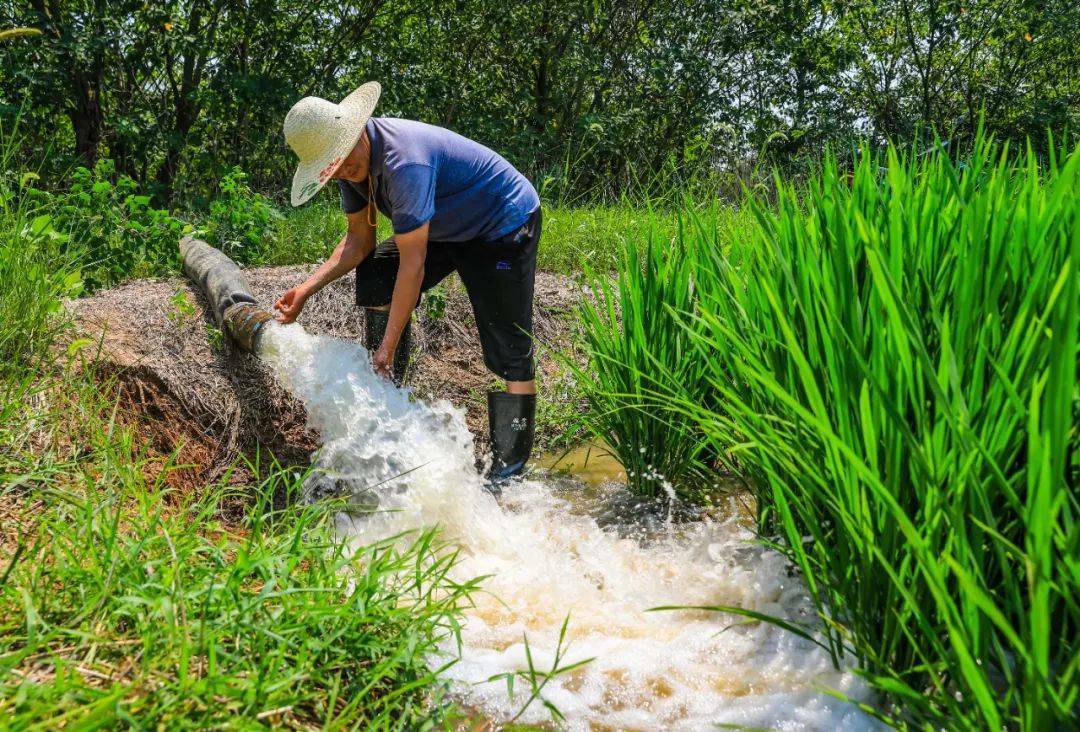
375,328
512,425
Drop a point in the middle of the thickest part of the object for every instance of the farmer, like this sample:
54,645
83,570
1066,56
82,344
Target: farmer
455,206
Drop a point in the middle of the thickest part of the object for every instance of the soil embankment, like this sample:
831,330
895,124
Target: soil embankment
189,390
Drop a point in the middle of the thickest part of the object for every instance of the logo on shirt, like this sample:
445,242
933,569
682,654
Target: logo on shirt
502,266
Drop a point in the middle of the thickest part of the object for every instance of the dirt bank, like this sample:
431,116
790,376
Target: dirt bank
191,390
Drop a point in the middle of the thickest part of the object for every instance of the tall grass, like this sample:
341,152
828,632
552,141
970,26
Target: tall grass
894,366
34,271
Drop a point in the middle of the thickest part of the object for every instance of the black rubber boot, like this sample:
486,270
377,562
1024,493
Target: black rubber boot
512,425
375,328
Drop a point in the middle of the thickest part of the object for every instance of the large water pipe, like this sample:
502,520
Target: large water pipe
235,309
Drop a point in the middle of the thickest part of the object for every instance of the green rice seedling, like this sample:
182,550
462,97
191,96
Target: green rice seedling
894,364
638,350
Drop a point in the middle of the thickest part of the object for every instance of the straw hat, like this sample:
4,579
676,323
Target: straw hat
322,134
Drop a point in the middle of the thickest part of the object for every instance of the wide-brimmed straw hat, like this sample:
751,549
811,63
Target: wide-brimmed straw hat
322,134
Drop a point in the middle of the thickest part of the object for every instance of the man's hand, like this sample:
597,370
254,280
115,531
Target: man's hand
358,242
383,362
290,304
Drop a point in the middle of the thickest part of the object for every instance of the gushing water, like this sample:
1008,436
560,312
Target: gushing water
650,670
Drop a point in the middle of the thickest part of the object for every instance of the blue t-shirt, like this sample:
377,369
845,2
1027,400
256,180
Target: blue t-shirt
423,173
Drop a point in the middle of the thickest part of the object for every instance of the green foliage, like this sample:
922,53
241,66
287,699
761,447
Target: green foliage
310,233
894,368
33,287
594,235
35,272
113,231
196,623
214,336
241,221
593,98
435,302
537,679
182,308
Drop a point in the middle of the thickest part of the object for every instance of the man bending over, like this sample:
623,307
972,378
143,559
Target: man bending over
455,206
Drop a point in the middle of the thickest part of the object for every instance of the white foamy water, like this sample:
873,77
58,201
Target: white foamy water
676,670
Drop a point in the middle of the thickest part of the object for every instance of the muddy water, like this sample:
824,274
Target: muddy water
589,463
549,557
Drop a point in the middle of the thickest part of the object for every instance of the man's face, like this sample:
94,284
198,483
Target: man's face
355,165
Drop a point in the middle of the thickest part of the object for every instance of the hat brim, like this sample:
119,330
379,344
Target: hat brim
311,175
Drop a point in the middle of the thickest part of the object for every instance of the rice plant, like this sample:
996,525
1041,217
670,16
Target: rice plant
637,348
893,366
895,363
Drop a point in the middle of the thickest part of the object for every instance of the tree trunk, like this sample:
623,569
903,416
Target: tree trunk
86,117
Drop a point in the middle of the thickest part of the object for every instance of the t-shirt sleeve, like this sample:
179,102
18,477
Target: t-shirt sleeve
352,200
411,191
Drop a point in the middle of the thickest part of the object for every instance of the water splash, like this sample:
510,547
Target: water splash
671,670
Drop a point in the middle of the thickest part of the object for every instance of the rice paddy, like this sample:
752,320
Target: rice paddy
888,356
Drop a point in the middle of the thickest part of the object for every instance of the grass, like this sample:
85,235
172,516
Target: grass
593,236
572,236
122,602
893,364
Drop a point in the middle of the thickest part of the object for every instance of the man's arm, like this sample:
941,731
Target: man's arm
357,244
412,250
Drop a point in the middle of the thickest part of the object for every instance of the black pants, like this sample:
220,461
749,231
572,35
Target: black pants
498,275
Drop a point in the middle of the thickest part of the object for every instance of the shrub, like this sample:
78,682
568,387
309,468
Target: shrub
113,231
241,221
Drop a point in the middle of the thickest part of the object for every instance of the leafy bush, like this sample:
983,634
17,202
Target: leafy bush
241,222
895,362
114,233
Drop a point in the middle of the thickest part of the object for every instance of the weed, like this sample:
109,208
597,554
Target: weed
214,336
182,309
241,222
113,231
435,302
537,679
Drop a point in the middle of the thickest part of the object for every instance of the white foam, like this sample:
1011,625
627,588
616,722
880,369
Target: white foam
651,670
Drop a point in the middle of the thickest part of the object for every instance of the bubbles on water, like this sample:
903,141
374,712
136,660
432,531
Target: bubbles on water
548,557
